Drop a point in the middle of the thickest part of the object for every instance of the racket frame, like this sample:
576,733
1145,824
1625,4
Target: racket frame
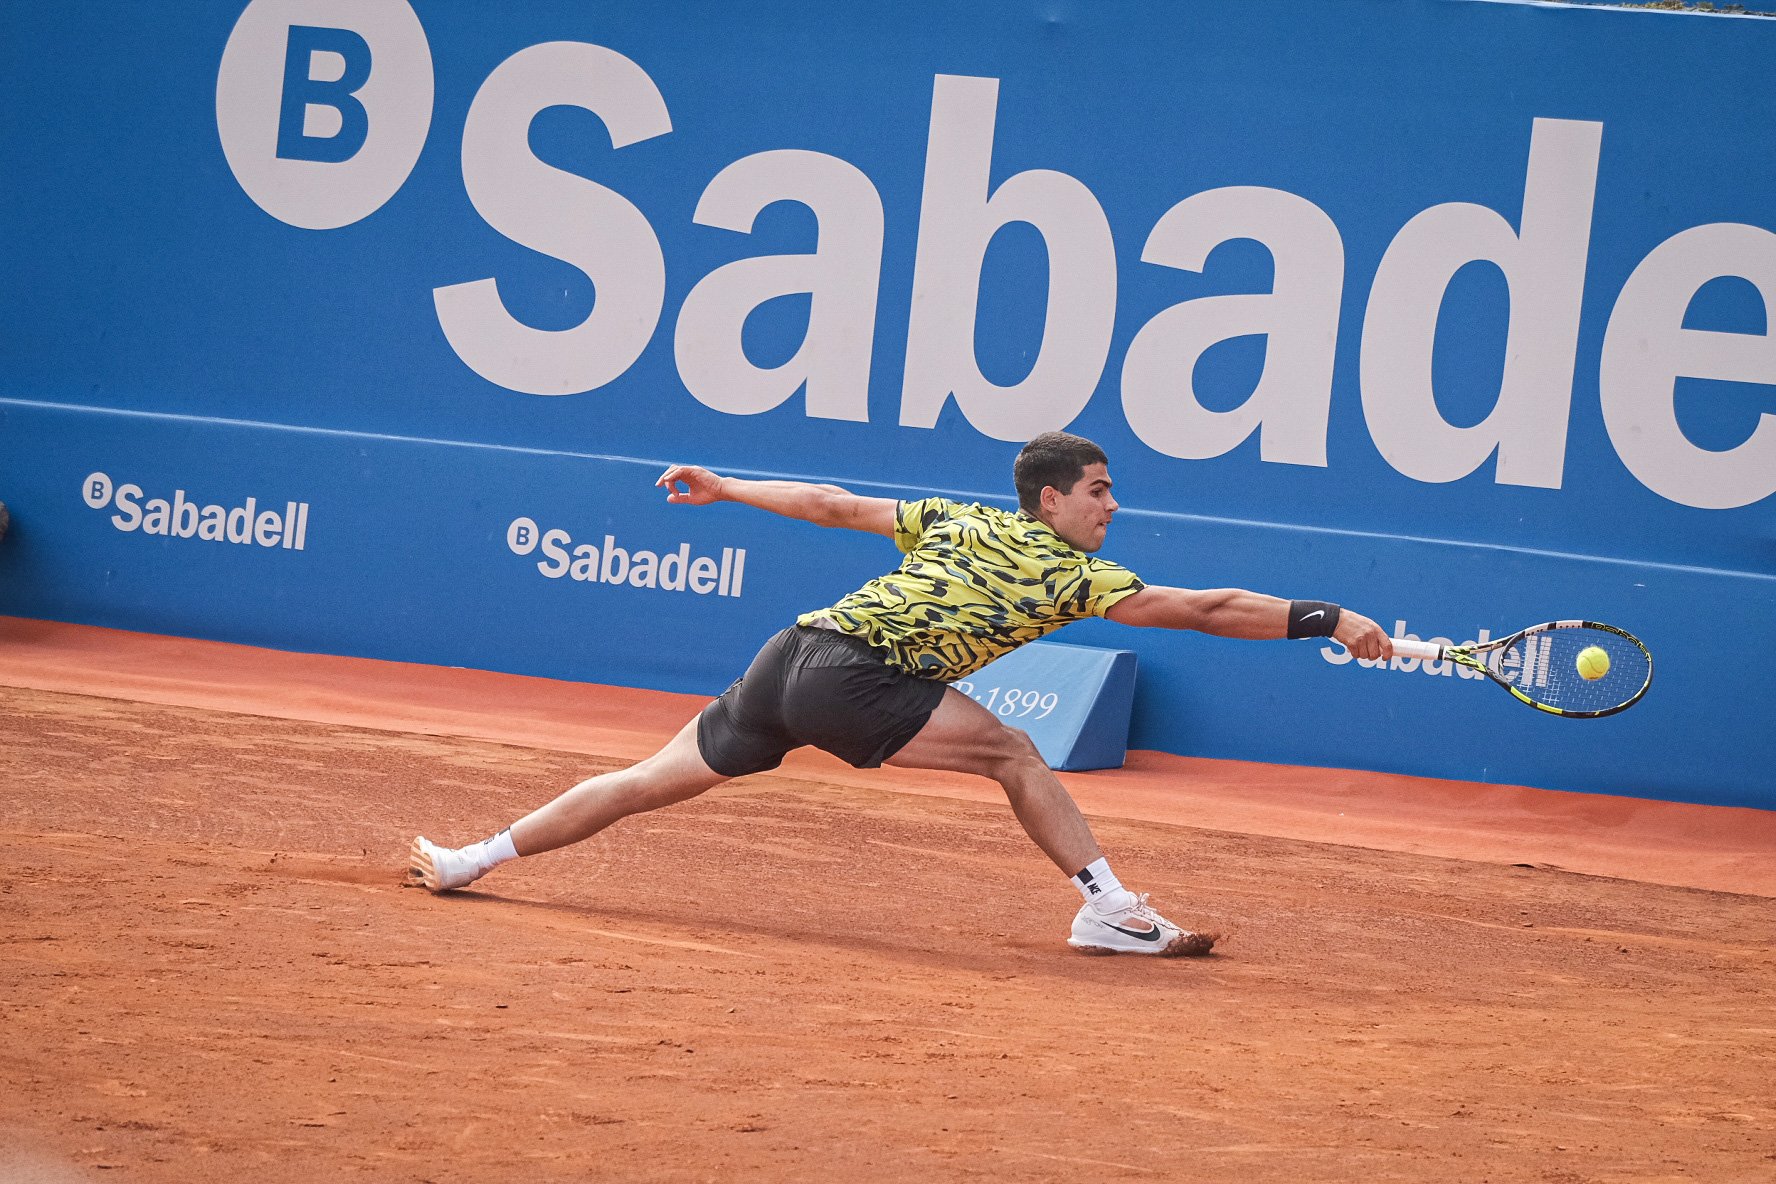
1480,657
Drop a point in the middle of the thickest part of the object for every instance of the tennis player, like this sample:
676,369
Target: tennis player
867,679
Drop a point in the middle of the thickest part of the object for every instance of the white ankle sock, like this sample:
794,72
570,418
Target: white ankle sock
1100,887
489,853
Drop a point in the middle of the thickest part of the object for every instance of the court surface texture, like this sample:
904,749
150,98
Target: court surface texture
210,969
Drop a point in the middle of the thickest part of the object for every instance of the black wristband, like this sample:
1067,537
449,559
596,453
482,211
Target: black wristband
1312,618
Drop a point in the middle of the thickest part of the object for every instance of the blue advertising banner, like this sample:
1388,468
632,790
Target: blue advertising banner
364,326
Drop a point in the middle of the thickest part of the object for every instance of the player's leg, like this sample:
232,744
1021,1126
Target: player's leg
674,774
962,736
739,733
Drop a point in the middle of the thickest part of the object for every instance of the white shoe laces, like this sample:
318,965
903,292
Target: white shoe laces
1141,909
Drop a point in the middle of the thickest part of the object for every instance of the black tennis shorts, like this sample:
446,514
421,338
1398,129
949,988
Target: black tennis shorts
814,686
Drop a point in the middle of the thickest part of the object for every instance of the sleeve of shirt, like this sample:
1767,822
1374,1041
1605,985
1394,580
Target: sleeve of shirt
1104,585
913,519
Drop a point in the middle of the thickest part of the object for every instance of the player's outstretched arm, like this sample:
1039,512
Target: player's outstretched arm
823,505
1235,612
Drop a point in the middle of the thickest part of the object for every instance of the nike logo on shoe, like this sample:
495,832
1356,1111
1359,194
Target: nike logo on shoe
1150,935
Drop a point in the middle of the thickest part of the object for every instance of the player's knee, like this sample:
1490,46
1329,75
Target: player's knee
1015,751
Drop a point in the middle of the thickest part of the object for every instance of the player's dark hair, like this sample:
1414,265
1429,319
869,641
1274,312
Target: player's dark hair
1053,458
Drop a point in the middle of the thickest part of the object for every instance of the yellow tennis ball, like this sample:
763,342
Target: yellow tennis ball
1593,663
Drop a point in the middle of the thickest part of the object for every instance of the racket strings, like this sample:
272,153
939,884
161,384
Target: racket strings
1545,667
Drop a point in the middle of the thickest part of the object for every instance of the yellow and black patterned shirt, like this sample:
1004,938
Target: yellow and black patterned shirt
976,583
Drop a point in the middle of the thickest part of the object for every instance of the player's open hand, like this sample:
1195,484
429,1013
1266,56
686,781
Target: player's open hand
1361,636
700,485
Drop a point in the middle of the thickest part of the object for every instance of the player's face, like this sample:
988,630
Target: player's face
1082,515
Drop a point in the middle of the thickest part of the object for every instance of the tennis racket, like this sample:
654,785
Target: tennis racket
1540,666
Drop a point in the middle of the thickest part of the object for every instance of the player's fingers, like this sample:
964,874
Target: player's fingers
1366,644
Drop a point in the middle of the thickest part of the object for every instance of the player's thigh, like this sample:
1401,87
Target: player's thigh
966,737
680,766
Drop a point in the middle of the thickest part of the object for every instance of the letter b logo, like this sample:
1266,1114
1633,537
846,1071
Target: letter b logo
323,106
304,93
521,536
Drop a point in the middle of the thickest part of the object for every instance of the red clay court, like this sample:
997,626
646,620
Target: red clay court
213,973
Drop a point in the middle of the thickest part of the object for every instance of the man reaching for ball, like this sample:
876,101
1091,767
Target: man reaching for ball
867,679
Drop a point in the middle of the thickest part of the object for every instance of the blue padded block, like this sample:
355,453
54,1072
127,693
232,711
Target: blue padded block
1073,700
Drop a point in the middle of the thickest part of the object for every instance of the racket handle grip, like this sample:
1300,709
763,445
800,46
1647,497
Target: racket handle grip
1405,647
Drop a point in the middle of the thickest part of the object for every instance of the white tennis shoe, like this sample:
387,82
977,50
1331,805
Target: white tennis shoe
1135,929
440,868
